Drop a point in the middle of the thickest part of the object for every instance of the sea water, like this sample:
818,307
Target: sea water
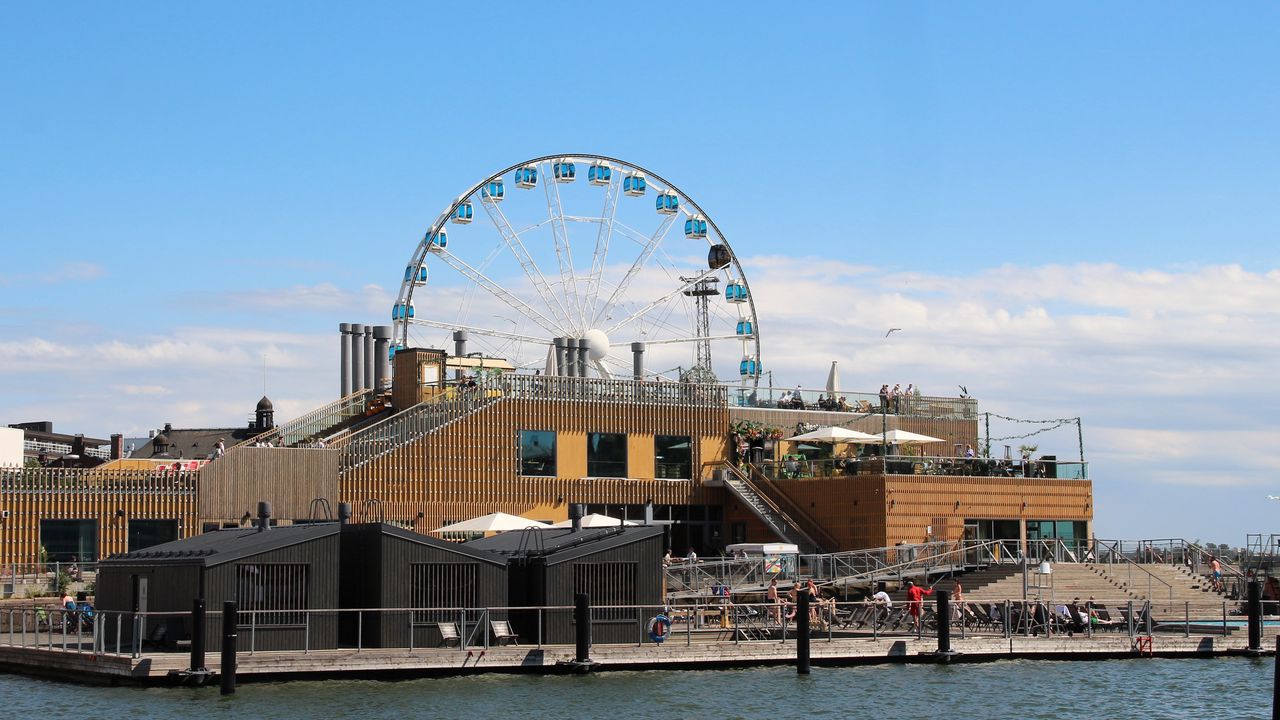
1016,689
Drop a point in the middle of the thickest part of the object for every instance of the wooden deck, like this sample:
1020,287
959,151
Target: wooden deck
706,651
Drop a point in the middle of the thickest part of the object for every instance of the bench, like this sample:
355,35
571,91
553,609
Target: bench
502,632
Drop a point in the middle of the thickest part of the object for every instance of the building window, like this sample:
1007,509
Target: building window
672,457
608,583
538,452
271,593
146,533
606,455
70,540
439,590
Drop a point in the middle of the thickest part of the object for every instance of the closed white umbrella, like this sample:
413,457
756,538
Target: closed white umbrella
833,380
594,520
493,522
550,367
835,434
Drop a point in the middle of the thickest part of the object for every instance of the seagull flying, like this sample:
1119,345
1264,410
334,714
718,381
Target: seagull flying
1273,497
892,331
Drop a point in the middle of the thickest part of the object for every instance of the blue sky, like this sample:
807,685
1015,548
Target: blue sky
1072,211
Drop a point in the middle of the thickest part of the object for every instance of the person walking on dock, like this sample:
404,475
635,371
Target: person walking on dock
915,603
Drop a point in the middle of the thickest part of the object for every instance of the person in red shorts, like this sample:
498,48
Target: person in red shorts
915,602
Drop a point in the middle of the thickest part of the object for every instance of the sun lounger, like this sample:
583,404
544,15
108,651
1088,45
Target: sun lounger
449,634
502,632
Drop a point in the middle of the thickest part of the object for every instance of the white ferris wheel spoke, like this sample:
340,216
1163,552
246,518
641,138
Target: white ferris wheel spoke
531,271
644,310
650,244
497,291
564,253
690,339
490,332
603,237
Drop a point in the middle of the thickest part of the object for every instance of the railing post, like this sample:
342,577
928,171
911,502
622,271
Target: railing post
359,630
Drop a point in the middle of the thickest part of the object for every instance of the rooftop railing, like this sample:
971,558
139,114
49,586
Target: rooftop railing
160,480
608,390
797,467
315,422
930,406
39,446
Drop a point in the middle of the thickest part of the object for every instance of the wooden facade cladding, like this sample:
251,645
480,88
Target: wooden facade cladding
288,478
110,497
470,467
874,510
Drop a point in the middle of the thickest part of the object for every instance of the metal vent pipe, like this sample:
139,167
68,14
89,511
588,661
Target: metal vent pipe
357,357
381,363
344,346
370,359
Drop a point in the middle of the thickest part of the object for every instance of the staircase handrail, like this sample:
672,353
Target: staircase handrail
795,510
296,426
376,440
1115,551
791,524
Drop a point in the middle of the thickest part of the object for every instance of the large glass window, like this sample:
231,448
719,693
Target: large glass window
606,455
537,452
145,533
70,540
672,457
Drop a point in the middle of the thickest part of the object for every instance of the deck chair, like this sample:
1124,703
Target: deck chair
980,617
448,634
502,632
1103,619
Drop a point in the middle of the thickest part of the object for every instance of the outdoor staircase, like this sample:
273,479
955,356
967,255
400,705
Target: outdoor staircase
767,510
382,438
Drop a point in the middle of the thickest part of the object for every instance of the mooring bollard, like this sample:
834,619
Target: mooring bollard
802,633
944,625
197,635
582,631
227,673
1255,616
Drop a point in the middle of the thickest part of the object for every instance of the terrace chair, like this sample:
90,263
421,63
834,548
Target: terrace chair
1103,619
980,617
449,634
502,632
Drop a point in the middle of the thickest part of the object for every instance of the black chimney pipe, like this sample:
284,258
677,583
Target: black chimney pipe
344,513
576,511
264,516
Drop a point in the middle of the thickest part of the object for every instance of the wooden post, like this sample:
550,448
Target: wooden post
1255,616
197,635
944,624
582,629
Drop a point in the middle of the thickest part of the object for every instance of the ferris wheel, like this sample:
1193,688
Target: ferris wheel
587,247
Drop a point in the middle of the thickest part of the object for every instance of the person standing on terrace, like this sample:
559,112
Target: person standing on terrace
884,398
896,396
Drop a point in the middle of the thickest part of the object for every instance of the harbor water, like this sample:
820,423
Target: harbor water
1153,688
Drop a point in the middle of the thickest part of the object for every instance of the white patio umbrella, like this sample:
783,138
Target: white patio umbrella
833,380
835,434
594,520
905,437
493,522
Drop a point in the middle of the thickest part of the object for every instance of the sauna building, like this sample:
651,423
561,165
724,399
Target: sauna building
435,437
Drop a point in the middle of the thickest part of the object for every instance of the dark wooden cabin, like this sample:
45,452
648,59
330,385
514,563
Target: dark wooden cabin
613,566
272,574
426,581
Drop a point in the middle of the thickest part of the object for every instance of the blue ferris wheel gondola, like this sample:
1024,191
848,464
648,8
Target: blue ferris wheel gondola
564,171
527,176
463,213
493,190
735,292
437,241
667,203
402,311
600,173
745,328
416,274
634,184
749,367
695,228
